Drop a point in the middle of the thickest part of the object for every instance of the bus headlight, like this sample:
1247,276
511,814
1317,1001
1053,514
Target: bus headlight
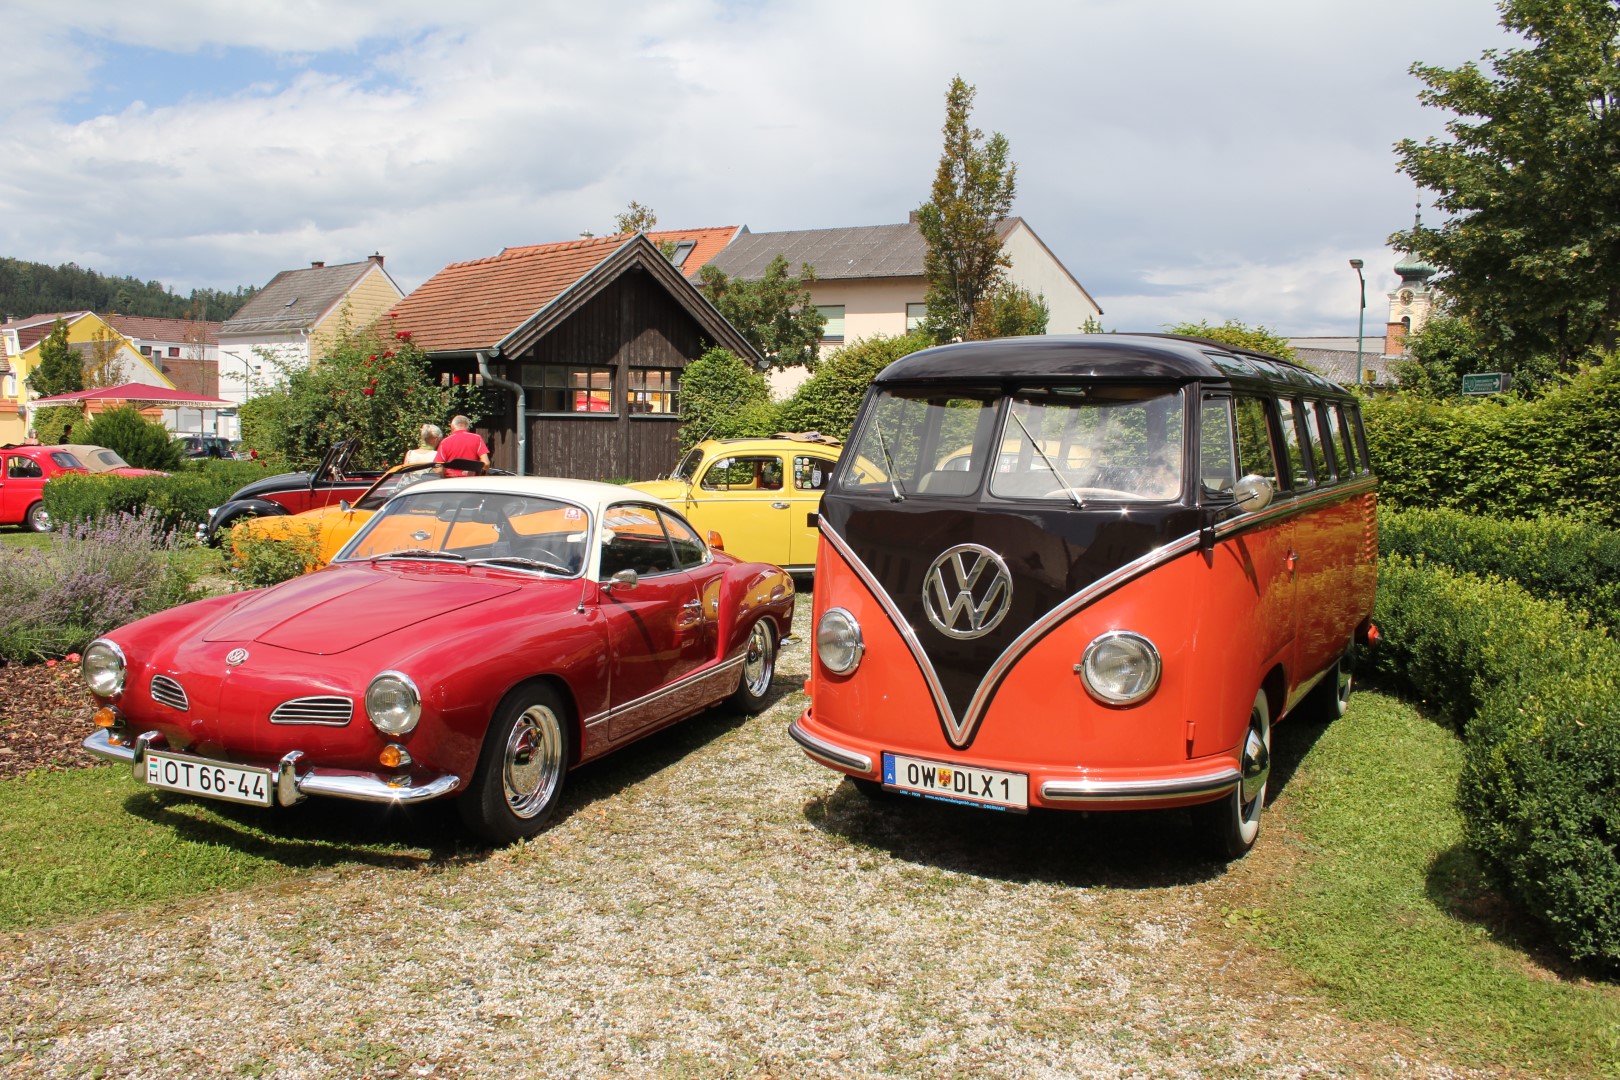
392,703
103,668
838,641
1120,668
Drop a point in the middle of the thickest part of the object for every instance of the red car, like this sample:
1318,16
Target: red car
292,493
480,637
23,473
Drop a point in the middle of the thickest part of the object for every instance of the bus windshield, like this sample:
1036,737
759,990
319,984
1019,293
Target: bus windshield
1063,443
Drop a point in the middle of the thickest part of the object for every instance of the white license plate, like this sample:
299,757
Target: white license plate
957,783
210,779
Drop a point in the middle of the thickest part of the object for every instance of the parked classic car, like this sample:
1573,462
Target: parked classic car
99,459
332,526
23,473
761,495
205,446
292,493
478,638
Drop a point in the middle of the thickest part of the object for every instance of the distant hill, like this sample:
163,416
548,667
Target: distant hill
30,288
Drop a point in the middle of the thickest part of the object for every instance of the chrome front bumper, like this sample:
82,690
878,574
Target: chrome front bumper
291,784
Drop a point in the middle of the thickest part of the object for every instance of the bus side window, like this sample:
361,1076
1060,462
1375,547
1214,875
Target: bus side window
1318,439
1300,476
1217,460
1256,454
1343,455
1358,437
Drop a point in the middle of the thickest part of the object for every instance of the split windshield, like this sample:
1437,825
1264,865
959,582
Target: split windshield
1070,444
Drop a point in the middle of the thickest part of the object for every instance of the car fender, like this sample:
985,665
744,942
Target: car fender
235,511
752,591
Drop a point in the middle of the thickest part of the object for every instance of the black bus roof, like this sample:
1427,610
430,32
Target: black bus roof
1102,356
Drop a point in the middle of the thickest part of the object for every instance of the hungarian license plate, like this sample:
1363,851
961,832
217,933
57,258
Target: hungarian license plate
210,779
957,783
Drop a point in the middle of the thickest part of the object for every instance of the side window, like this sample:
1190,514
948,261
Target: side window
23,468
689,550
811,473
1319,443
1352,415
1256,454
753,473
1217,457
1299,470
1343,456
635,541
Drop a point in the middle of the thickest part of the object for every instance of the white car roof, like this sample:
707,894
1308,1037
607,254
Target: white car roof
591,494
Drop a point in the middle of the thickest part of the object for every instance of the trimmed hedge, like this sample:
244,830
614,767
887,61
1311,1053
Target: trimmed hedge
183,499
1536,691
1551,558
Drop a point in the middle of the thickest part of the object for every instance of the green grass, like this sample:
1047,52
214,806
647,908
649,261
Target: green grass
1390,917
90,841
17,538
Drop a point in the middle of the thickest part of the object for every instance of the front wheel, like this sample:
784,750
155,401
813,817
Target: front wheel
37,520
1232,822
519,778
759,667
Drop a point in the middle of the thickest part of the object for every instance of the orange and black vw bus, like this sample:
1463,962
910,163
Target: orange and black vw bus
1089,572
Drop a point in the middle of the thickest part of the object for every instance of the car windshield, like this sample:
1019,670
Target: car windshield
528,532
687,470
392,485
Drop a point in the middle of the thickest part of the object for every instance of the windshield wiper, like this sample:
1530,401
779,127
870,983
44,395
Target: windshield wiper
1068,488
520,560
420,553
894,485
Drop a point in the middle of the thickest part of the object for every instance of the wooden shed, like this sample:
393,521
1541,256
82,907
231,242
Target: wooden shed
580,348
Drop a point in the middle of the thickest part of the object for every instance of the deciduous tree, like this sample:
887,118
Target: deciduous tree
1233,332
1531,177
774,313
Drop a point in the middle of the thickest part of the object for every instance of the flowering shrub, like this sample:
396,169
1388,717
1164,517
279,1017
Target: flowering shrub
93,576
260,560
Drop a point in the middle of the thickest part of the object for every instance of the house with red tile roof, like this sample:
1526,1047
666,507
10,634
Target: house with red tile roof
579,347
91,336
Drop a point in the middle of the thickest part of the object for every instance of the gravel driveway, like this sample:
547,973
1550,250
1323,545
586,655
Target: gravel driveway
709,904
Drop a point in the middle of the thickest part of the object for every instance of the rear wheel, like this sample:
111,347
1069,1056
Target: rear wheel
759,667
519,778
37,520
1232,822
1330,698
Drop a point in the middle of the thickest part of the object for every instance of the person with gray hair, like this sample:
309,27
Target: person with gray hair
462,444
427,447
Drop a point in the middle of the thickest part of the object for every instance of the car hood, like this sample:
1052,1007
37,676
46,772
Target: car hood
337,610
671,491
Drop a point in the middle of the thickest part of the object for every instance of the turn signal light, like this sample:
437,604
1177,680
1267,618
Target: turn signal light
106,717
394,756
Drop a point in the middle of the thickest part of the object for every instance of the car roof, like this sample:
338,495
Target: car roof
775,442
591,494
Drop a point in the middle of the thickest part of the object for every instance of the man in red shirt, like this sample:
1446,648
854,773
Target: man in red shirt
462,443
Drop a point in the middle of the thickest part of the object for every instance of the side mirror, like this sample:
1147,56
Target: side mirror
624,579
343,506
716,541
1253,493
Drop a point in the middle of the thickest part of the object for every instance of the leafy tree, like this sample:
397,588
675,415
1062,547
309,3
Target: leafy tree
139,441
723,398
1531,175
374,383
828,400
101,365
1233,332
60,369
636,218
973,191
1010,311
774,313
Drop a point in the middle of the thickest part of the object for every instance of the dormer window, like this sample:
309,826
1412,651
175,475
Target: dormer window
683,248
291,302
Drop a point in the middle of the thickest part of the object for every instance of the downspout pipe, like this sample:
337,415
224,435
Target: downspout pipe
522,410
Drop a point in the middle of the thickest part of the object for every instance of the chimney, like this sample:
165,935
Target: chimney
1395,339
316,265
376,257
913,218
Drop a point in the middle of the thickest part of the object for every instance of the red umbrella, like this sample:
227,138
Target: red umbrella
144,393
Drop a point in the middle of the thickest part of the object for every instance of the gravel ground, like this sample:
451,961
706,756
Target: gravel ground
709,904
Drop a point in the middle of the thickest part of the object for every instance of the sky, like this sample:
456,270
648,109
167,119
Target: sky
1186,160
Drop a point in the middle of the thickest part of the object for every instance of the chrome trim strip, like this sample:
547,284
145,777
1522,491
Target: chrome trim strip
1208,784
826,752
679,685
1310,500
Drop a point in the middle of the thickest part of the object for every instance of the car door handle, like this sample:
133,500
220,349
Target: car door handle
1293,557
779,506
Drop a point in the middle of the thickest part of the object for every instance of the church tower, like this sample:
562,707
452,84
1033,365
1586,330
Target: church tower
1412,301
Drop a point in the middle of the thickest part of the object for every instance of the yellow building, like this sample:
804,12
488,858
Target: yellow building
110,358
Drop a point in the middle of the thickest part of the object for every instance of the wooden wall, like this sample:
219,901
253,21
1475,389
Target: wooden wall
633,322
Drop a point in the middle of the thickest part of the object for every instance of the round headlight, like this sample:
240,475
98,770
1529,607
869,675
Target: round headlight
103,667
1120,667
838,641
392,703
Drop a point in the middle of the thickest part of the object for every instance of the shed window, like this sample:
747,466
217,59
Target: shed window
654,391
563,388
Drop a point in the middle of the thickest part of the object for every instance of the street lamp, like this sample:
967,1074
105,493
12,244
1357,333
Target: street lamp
1361,320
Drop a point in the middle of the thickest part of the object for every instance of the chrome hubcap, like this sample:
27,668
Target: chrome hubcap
1256,766
759,665
532,764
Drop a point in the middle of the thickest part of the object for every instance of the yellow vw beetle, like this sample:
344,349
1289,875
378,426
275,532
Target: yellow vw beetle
761,495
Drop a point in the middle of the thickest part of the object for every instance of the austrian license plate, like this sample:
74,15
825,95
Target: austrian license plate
957,783
210,779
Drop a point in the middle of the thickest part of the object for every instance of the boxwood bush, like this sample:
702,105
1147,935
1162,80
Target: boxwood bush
1535,689
1553,558
180,501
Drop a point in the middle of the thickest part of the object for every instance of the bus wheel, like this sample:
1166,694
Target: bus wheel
1233,821
1331,697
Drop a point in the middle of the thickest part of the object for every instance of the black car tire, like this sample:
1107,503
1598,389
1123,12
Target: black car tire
521,770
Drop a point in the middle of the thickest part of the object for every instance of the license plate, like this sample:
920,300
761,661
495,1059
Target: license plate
956,783
210,779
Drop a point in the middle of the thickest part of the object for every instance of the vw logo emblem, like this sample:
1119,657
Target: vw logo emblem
235,656
967,591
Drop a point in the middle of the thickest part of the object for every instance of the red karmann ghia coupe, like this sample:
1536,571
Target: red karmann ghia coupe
480,637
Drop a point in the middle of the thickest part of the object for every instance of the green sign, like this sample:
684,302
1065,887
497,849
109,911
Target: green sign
1489,382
